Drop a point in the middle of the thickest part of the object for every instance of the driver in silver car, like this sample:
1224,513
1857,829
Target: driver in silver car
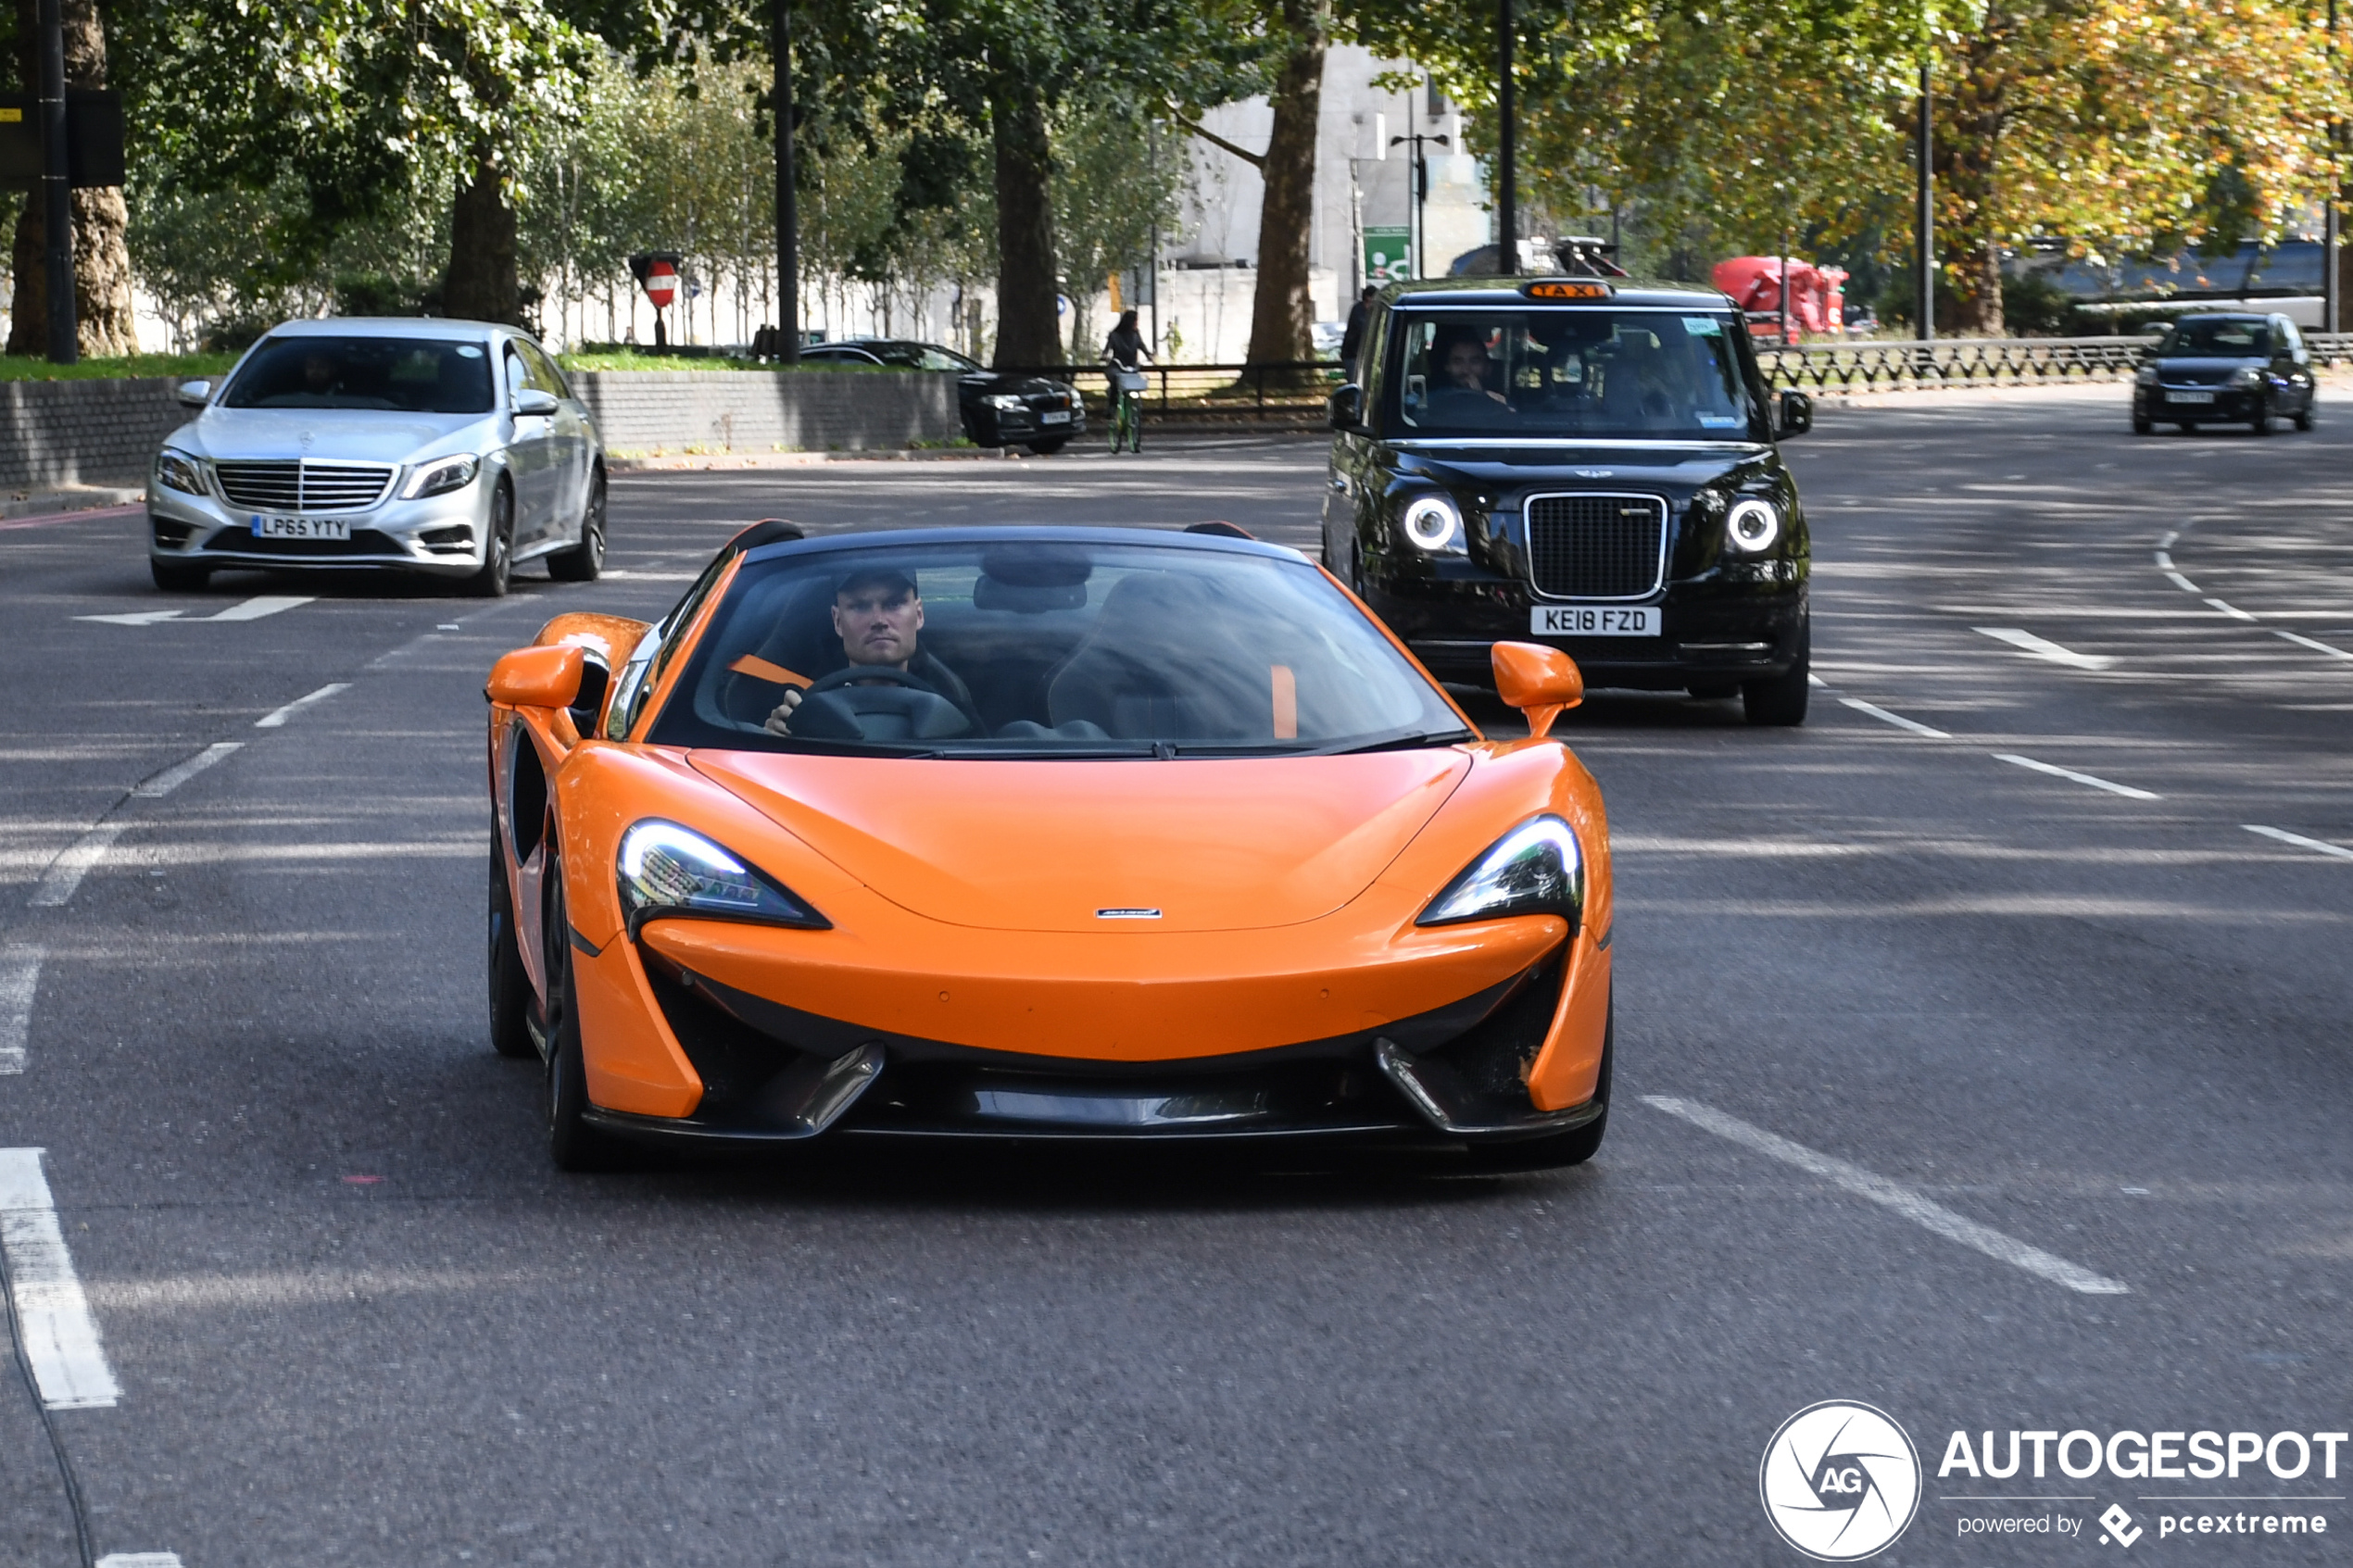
878,613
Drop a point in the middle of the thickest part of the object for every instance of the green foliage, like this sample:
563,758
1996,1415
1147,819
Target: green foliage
1115,178
176,367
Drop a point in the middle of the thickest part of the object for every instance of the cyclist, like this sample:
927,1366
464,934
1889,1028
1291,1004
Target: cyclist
1121,350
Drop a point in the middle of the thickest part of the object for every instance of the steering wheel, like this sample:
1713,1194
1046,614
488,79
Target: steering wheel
861,674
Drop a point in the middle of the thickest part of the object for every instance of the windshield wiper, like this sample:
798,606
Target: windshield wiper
1409,740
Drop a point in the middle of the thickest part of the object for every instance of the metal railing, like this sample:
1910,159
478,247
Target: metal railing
1285,391
1965,362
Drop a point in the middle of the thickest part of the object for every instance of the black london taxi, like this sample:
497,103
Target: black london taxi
1586,463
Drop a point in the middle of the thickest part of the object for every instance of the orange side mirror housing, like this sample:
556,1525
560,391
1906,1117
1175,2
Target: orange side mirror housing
1541,682
537,677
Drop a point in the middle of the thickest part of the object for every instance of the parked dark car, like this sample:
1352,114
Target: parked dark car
2234,368
999,407
1581,463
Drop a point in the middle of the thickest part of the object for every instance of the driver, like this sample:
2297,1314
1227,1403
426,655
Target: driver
1464,363
878,613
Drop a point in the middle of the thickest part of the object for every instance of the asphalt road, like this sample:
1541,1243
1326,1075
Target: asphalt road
2058,1074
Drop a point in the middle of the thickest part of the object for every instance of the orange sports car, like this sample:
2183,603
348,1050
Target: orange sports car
1041,833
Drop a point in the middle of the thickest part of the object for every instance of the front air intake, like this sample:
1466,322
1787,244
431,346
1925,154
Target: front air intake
1592,546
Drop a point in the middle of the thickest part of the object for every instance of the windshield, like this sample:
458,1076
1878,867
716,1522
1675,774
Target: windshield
1568,372
414,375
1055,648
2218,337
918,356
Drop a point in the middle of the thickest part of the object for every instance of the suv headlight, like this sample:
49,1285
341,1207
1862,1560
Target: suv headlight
2246,376
440,477
667,870
1752,526
2144,376
177,470
1536,869
1432,523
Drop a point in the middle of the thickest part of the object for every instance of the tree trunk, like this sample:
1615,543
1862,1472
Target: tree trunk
1026,319
480,284
1282,316
101,221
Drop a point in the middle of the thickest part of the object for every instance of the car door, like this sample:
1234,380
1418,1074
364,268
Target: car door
573,448
530,451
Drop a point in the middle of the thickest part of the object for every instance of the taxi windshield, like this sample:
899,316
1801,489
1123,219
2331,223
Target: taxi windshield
2218,337
1568,372
1046,648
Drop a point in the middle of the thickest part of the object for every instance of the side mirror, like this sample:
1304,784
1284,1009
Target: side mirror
531,400
537,677
1348,407
193,394
1541,682
1795,414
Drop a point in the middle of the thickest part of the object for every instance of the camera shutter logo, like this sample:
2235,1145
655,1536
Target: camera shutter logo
1841,1481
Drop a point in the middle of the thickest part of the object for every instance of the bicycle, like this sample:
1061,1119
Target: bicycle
1126,409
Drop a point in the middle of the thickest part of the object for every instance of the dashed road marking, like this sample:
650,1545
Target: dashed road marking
1884,717
171,778
2182,583
2302,641
2231,611
277,720
139,1560
2301,842
2041,648
65,873
254,608
19,980
1920,1209
60,1338
2072,777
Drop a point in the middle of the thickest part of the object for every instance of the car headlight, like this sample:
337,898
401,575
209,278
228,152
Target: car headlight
2144,376
2246,376
667,870
440,477
1536,869
178,470
1005,404
1432,523
1752,526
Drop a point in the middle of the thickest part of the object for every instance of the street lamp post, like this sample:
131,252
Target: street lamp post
1507,149
1927,221
1421,189
2332,221
787,207
56,189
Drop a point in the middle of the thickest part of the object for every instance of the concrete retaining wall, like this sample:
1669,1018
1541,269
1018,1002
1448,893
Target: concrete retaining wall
99,432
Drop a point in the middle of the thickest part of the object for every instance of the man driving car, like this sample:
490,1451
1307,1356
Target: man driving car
878,613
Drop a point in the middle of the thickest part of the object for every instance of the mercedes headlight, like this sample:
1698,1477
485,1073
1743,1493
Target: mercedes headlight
177,470
667,870
1432,523
2144,376
1752,526
440,477
1536,869
2246,376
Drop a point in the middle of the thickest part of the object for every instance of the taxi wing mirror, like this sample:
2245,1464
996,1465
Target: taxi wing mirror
1795,415
538,677
1348,407
1541,682
193,394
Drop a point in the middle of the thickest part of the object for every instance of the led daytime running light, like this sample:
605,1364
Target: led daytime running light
1536,869
668,869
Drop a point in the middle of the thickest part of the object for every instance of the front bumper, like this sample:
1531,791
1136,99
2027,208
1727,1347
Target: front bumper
2230,404
1016,427
441,536
1515,1055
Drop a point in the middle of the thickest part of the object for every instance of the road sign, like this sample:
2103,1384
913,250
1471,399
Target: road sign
94,140
661,284
1387,258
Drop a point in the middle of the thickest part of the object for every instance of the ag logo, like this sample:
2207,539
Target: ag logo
1841,1481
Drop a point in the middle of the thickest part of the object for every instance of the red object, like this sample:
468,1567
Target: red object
1817,297
661,284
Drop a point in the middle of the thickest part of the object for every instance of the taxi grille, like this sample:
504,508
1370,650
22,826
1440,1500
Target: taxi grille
302,485
1596,546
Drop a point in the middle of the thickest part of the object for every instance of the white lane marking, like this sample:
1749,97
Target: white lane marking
139,1560
1921,1211
277,720
2307,642
2285,837
1814,680
248,609
266,604
1884,717
2165,560
20,979
2182,583
2231,611
60,1337
2167,543
64,872
171,778
2070,774
2040,647
448,626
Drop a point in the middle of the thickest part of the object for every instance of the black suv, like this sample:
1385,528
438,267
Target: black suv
1580,462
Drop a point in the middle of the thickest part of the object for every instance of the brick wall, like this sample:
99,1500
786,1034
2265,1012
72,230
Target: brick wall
67,433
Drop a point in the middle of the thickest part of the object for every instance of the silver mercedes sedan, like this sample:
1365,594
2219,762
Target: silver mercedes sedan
451,449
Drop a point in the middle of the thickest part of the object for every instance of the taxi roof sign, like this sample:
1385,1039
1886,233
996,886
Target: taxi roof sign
1566,288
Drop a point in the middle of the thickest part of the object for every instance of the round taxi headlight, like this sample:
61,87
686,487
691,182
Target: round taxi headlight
1431,521
1752,526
